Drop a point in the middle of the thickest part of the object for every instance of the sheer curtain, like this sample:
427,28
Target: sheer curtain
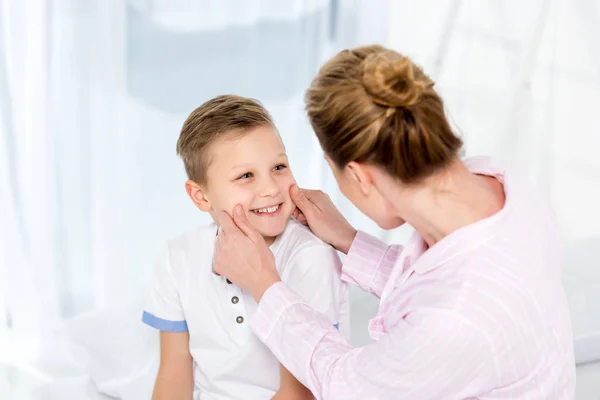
92,97
93,94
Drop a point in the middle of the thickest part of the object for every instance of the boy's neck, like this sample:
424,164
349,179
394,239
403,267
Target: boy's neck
269,240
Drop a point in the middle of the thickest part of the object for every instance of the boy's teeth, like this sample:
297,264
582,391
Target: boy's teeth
267,209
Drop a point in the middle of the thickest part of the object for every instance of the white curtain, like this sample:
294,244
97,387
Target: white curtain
93,94
92,97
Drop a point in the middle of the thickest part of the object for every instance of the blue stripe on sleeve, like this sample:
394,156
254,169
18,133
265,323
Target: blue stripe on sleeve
163,324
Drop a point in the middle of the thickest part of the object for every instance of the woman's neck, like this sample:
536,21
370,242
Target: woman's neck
449,201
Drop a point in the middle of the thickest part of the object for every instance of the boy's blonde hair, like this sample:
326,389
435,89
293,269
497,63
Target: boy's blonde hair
222,116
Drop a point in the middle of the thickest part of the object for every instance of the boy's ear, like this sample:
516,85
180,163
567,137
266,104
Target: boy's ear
198,195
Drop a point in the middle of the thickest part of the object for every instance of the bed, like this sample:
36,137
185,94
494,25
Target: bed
105,354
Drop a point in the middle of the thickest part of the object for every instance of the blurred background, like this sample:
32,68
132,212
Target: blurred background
93,94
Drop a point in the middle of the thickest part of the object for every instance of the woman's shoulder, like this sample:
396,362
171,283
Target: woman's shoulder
526,210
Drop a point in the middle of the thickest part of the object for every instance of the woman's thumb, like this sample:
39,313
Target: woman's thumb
299,199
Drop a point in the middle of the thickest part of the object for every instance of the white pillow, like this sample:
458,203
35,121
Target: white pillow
79,388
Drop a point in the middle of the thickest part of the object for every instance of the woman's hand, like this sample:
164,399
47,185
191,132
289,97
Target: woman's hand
242,256
315,209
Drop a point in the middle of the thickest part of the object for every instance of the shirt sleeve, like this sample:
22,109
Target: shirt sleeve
162,308
369,263
313,273
432,354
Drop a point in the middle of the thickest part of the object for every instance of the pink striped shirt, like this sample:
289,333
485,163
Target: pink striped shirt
480,315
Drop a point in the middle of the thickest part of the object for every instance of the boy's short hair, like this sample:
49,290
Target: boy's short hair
219,117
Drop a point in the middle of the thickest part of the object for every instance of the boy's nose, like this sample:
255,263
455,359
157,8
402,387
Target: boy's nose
269,188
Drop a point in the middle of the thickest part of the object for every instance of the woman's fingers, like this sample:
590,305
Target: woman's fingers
226,224
299,197
241,220
298,216
242,255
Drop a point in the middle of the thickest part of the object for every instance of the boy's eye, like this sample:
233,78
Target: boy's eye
245,176
279,167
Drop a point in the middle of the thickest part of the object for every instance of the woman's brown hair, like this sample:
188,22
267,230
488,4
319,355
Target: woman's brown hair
371,104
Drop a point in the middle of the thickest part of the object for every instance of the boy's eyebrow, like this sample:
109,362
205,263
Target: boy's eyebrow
284,154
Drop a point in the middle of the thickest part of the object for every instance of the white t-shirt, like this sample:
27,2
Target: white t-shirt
229,361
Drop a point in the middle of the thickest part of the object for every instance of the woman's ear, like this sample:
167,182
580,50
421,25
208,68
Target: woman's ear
198,195
360,174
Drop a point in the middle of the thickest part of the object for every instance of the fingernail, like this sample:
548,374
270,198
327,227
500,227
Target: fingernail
238,210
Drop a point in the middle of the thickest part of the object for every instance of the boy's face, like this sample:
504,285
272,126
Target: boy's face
251,170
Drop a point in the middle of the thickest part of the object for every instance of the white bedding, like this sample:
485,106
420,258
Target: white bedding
19,383
70,389
105,354
581,278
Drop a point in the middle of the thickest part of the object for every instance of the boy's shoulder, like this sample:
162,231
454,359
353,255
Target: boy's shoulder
299,234
297,238
302,258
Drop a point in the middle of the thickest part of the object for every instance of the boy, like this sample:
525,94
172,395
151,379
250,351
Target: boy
233,155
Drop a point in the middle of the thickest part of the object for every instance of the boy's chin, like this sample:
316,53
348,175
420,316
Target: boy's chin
271,233
270,230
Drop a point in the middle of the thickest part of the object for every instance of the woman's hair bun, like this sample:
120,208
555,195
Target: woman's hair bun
392,80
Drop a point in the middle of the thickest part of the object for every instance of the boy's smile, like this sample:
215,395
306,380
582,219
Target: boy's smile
268,211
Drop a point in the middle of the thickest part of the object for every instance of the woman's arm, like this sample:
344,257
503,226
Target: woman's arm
429,355
175,380
290,388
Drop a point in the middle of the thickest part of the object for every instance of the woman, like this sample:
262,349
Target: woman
471,307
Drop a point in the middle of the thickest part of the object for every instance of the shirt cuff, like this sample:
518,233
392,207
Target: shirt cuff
274,302
164,324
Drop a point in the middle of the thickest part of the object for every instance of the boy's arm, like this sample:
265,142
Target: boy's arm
163,311
175,379
290,388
